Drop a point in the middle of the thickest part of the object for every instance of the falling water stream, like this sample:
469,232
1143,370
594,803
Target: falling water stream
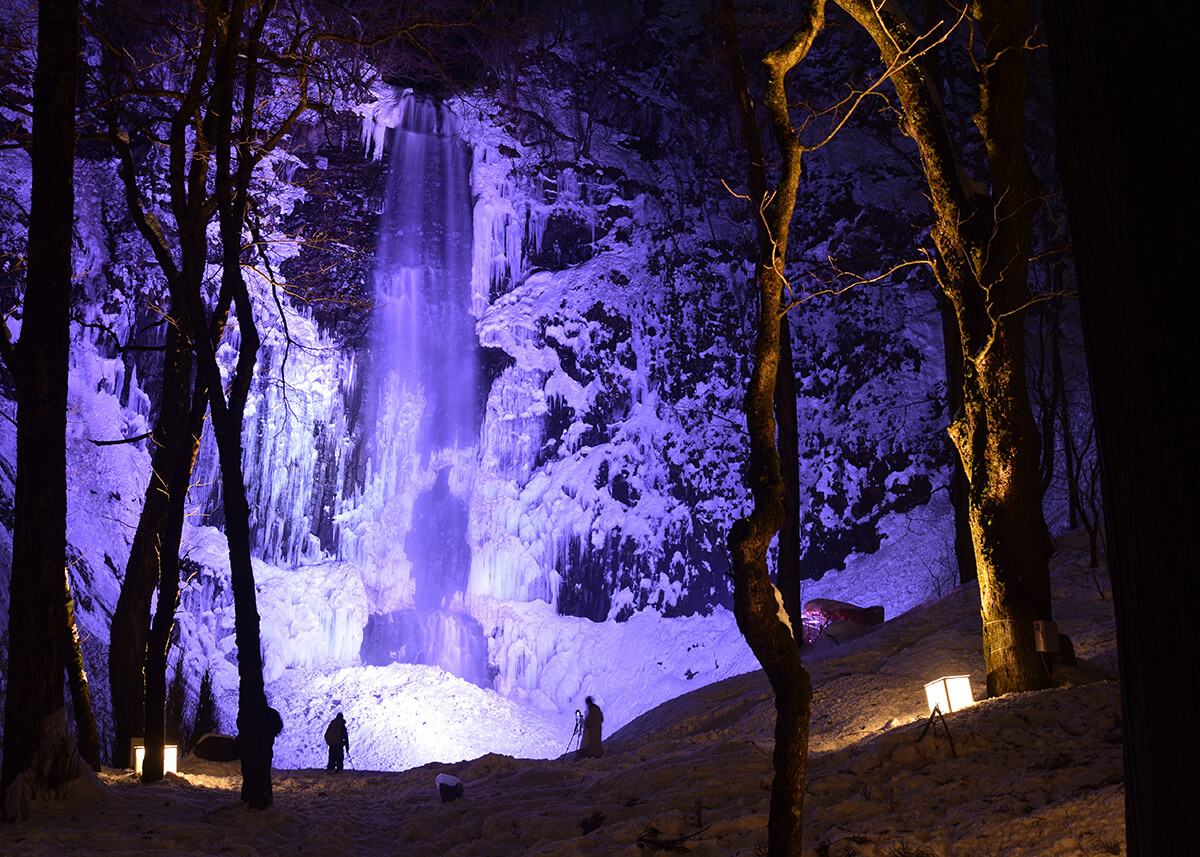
424,378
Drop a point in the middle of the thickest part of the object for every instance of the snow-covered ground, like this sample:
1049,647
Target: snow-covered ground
1028,774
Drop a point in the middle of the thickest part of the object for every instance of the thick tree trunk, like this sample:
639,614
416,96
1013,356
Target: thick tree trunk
131,618
997,436
1126,154
37,608
982,262
255,737
756,608
998,444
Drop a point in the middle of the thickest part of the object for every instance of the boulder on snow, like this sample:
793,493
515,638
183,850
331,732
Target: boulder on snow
450,788
820,612
217,748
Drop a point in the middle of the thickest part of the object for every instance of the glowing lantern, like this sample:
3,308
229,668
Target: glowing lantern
949,693
170,757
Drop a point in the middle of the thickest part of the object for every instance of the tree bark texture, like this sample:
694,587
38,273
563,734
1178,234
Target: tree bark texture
1126,155
787,572
87,737
964,545
982,240
37,606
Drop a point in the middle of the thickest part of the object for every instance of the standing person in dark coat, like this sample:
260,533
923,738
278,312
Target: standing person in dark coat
592,721
338,740
275,725
274,722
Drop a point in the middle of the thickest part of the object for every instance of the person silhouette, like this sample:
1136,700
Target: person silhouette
338,740
592,722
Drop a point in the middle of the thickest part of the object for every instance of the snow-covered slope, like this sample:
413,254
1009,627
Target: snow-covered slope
1028,775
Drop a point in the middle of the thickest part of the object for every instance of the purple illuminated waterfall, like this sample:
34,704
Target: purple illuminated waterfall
425,331
420,458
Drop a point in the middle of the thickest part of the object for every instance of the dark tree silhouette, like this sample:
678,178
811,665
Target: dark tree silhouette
214,138
36,752
155,543
180,249
787,572
1126,158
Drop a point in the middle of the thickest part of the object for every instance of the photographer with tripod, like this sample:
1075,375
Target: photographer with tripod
588,728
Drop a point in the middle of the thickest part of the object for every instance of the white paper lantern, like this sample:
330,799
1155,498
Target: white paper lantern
949,693
170,758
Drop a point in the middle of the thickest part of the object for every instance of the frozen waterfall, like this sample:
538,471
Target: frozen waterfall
421,428
424,330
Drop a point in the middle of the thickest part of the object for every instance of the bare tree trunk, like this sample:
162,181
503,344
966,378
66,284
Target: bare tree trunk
1126,156
787,573
964,545
159,639
81,697
232,194
1071,458
998,445
756,602
253,732
37,607
1048,402
932,12
131,617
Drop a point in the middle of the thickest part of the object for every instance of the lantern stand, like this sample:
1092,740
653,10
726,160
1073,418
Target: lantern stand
937,712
